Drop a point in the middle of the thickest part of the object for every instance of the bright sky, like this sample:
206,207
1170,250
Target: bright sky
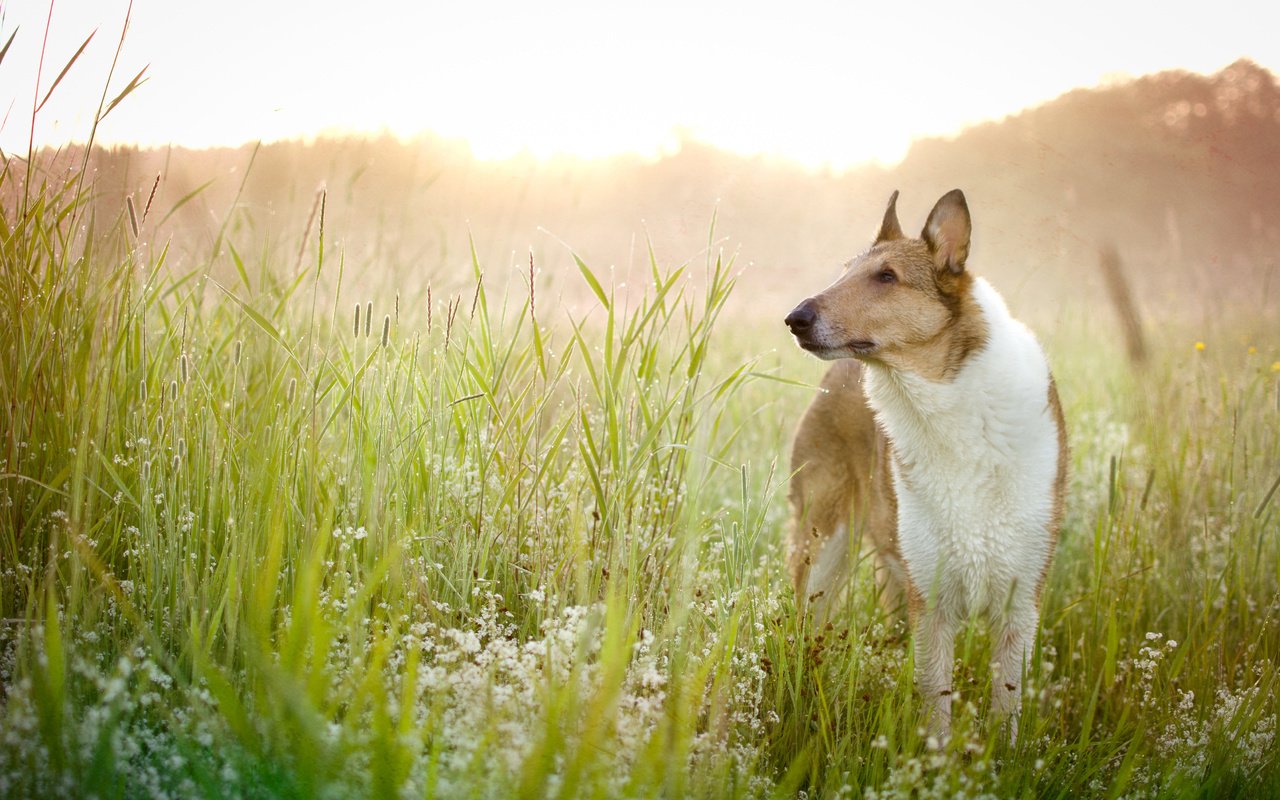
816,81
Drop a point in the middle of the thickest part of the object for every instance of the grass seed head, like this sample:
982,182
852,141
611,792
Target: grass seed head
133,215
182,363
292,392
147,208
173,391
235,357
368,318
355,331
386,329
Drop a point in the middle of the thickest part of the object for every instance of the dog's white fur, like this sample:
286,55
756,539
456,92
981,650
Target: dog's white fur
975,464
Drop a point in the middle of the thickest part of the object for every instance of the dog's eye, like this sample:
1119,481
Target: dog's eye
887,276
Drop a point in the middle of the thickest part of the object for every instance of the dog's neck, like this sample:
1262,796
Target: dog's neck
942,357
968,372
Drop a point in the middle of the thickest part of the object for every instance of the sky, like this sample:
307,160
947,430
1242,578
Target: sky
814,81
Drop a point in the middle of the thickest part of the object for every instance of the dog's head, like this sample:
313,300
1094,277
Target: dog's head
898,296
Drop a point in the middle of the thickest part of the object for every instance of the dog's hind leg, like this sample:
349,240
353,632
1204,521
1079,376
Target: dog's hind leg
828,576
821,496
833,457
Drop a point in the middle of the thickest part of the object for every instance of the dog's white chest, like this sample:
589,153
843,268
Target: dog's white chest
975,465
971,530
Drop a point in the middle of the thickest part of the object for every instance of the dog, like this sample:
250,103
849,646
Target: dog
937,438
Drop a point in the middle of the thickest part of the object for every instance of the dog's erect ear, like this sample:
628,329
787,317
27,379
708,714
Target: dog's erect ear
890,229
947,232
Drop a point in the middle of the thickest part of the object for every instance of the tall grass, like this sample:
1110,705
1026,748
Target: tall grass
480,546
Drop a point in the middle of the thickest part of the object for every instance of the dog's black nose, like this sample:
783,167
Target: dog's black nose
802,317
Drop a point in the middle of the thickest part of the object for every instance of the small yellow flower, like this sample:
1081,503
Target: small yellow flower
1252,349
1199,345
1275,366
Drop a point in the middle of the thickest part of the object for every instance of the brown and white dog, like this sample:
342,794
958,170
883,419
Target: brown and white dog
938,437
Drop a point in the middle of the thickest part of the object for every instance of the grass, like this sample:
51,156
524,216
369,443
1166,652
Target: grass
476,546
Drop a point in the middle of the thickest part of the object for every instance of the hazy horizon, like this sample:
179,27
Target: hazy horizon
819,86
1174,170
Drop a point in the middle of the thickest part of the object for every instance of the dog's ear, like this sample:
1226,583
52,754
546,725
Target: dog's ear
890,229
947,232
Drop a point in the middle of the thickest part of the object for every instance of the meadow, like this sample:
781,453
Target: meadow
258,541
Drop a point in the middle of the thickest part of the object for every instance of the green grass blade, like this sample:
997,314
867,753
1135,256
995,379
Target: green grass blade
65,69
5,50
137,81
592,281
261,321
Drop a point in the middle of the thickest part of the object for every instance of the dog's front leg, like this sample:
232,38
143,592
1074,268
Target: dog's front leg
1012,645
934,642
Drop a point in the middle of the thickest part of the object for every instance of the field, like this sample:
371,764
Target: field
259,542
